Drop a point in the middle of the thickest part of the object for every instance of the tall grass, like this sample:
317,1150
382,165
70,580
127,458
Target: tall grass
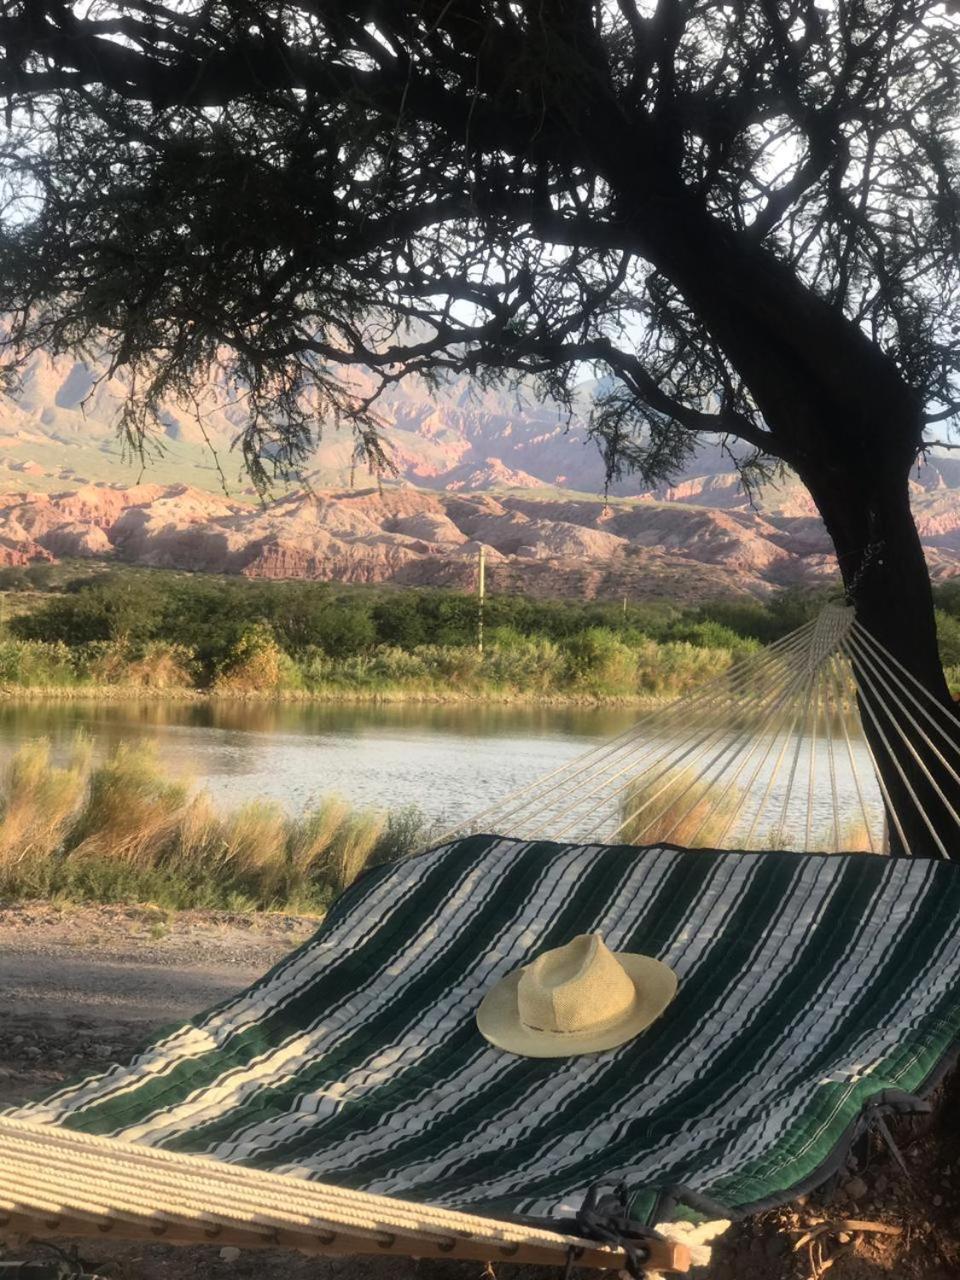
39,804
676,806
593,665
120,830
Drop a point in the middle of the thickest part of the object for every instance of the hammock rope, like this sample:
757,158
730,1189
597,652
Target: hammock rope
773,752
516,806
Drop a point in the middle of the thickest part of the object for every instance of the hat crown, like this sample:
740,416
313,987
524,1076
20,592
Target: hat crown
577,987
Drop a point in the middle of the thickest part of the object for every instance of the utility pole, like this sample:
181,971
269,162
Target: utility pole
481,594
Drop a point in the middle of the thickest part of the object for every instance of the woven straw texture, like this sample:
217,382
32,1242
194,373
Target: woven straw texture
810,986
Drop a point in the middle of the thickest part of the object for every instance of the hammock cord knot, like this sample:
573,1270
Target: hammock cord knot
605,1217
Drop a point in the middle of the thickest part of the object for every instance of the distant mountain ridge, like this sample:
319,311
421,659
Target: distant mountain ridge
473,466
61,427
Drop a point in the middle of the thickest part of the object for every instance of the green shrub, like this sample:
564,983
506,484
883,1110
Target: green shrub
948,638
341,631
13,578
255,664
399,621
40,577
128,608
711,634
29,663
524,664
462,663
405,830
671,670
745,619
599,662
389,664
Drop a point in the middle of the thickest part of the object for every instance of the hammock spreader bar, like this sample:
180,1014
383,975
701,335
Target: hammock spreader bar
54,1182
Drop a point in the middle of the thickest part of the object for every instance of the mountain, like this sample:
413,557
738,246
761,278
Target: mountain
472,467
60,428
412,536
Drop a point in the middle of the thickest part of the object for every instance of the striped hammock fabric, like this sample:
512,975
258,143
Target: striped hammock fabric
812,989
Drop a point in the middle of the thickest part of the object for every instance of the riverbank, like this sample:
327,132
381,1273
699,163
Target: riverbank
594,668
448,696
120,830
149,632
120,633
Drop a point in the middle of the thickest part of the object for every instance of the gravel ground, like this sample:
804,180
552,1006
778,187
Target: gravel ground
82,987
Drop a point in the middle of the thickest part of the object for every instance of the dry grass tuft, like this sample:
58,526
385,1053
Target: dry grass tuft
39,801
680,808
122,831
677,808
353,845
131,811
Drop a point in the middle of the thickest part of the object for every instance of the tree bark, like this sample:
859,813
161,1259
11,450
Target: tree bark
840,413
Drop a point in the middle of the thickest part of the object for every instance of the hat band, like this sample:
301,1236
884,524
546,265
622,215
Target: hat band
600,1025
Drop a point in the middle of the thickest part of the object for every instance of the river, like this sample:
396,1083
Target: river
449,761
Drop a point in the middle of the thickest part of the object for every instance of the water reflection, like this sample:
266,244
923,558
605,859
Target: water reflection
450,761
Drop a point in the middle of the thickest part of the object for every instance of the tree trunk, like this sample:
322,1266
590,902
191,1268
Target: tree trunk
866,509
839,411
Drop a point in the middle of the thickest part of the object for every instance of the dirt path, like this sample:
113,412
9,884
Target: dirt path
128,990
83,987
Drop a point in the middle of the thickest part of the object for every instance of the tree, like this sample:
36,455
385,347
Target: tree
112,609
744,216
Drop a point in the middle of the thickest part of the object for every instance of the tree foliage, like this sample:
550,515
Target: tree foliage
219,617
744,217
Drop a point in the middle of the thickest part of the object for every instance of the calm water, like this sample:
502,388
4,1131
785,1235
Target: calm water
449,761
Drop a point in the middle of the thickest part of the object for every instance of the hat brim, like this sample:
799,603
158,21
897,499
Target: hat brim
498,1019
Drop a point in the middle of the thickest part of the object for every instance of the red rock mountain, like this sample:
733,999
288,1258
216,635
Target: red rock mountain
472,468
641,547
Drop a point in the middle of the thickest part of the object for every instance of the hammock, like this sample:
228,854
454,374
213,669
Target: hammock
347,1103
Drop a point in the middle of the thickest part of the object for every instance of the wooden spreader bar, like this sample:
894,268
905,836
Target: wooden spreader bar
54,1182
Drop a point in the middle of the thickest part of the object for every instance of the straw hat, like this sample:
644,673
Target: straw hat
579,998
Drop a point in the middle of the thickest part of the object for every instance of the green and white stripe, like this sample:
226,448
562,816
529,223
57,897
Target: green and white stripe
809,985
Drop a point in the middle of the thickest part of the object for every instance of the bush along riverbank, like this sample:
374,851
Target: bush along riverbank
122,831
596,667
165,634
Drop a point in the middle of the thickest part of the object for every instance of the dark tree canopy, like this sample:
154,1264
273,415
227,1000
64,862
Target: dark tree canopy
661,189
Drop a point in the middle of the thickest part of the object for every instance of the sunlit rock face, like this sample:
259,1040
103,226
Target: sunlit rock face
471,467
639,548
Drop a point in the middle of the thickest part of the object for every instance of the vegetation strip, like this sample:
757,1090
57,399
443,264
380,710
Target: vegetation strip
121,831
